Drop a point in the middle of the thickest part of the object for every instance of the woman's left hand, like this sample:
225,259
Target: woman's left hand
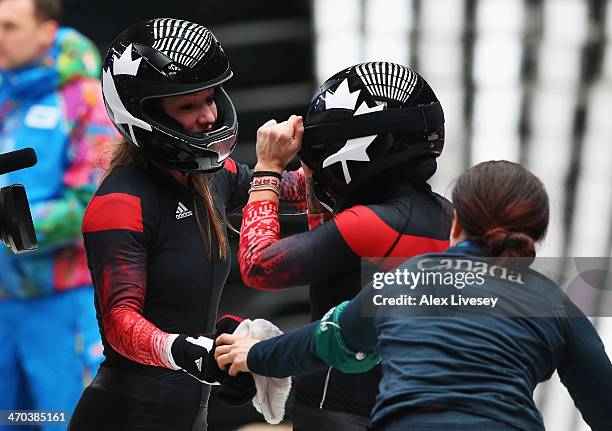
235,351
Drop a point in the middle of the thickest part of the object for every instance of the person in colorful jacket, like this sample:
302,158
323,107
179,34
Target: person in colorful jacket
50,100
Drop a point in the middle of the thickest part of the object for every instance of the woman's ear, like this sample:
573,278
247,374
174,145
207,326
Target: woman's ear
456,233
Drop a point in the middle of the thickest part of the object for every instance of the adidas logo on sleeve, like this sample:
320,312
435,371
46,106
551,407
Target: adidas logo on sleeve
182,211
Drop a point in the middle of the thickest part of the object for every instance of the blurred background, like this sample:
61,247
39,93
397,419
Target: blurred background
522,80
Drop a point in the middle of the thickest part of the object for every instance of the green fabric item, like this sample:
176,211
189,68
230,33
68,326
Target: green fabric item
334,351
58,221
78,57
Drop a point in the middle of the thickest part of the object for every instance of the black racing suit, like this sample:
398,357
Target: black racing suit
154,276
406,220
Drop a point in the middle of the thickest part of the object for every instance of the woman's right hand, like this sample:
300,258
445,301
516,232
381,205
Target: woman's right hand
233,351
278,143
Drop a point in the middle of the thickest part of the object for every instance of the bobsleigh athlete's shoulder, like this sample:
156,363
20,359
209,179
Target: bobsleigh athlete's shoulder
122,201
132,180
404,227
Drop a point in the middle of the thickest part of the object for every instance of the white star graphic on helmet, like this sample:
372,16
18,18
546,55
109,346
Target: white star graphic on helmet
342,98
365,109
354,149
123,65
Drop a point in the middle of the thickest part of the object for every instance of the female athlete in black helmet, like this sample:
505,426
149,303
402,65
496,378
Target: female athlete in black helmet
371,139
154,232
447,362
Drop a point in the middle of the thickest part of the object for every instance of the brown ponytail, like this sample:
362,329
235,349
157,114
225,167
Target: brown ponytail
203,188
503,206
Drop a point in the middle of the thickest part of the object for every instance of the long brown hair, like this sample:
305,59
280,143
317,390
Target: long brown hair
504,206
126,154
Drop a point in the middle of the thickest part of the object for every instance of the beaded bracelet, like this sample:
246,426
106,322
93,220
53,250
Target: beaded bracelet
265,181
260,188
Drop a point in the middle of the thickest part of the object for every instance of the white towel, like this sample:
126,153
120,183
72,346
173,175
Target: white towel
272,392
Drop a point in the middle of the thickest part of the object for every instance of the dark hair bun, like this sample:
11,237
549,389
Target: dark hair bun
504,243
503,206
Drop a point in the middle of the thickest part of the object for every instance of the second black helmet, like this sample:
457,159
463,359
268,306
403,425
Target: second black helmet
365,120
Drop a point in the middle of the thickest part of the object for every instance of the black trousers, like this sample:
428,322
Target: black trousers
123,401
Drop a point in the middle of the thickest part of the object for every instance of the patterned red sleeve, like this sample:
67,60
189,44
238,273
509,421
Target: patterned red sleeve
260,229
114,238
269,262
126,330
137,339
293,193
233,183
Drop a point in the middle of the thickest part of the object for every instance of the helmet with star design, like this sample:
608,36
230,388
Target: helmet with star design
366,122
160,58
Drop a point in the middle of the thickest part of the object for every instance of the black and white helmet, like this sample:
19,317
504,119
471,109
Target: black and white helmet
363,121
168,57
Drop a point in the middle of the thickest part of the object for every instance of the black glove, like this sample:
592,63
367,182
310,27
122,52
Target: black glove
193,355
196,356
234,391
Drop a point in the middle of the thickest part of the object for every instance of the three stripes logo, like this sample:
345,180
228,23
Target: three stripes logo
182,211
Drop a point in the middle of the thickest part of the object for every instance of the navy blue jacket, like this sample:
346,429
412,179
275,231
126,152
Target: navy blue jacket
483,363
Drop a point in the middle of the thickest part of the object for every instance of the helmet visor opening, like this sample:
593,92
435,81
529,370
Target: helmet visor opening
220,140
